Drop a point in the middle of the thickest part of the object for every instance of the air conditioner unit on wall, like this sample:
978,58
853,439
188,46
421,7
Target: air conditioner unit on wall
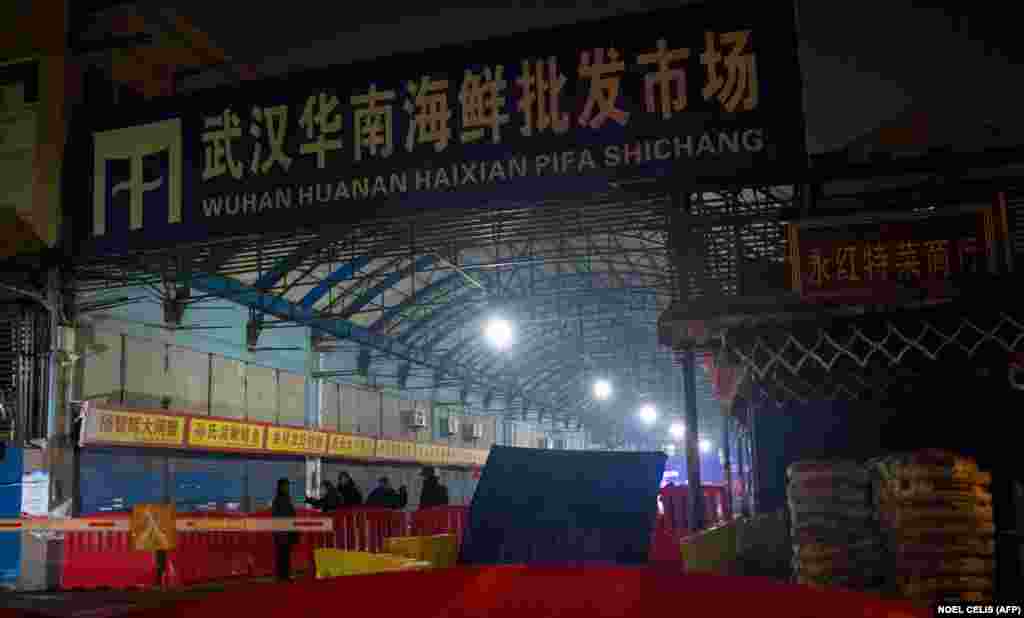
417,419
560,444
474,431
544,443
452,427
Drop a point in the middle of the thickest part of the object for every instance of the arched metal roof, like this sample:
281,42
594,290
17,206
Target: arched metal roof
405,299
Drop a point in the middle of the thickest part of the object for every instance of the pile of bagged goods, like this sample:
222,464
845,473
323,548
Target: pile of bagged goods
935,512
836,541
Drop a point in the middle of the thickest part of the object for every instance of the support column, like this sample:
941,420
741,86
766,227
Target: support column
695,489
313,393
741,471
42,555
755,486
727,464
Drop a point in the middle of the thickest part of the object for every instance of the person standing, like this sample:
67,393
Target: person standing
434,493
350,494
384,496
283,541
329,499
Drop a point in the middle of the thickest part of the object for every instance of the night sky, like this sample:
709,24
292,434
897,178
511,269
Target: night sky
863,66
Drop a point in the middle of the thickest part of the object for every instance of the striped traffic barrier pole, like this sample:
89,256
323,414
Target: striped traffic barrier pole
184,524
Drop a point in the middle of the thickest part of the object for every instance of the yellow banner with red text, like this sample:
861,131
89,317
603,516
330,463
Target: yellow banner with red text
111,426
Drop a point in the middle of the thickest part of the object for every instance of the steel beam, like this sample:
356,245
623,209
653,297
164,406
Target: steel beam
342,273
390,280
248,296
460,312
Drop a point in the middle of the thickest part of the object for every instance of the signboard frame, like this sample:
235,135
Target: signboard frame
702,93
930,255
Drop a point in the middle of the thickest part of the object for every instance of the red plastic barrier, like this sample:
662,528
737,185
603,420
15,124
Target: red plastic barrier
516,591
676,504
365,528
665,545
259,546
104,559
209,555
441,520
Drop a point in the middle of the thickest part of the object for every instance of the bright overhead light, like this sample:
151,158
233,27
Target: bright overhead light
705,446
499,333
648,414
677,431
602,389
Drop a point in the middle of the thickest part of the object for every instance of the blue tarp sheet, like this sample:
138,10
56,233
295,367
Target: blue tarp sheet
551,506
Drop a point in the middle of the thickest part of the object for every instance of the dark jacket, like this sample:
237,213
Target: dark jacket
283,507
387,498
328,502
434,493
350,495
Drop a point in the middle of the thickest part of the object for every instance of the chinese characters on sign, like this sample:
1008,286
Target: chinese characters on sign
134,428
224,434
910,260
214,434
702,92
425,453
344,446
482,106
336,144
928,254
396,450
287,440
459,456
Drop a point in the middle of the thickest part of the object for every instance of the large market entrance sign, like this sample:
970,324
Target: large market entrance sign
702,93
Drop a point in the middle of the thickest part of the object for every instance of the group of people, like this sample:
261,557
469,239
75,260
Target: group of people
332,497
347,494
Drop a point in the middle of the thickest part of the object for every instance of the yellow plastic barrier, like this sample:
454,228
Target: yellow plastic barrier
711,551
338,563
441,550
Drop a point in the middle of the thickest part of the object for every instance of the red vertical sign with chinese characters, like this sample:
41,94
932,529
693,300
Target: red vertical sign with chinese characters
881,262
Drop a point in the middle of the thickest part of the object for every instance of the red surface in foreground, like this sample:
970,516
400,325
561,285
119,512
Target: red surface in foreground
523,592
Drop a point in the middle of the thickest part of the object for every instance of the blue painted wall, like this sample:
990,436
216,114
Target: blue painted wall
117,479
11,469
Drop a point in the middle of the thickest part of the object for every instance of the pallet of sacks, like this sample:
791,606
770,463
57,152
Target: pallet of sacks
935,512
835,538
